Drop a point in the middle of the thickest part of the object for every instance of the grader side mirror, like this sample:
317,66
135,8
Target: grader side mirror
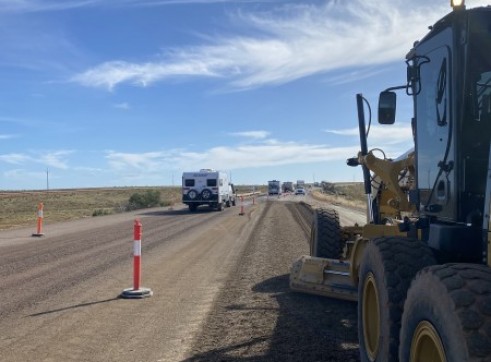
387,107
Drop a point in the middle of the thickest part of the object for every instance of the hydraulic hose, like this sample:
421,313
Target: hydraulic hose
364,152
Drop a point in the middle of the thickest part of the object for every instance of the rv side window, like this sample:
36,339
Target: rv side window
189,182
211,183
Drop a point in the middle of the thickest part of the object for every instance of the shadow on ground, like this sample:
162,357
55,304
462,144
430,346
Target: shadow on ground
308,328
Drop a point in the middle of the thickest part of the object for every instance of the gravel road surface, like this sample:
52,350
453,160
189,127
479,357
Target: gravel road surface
220,284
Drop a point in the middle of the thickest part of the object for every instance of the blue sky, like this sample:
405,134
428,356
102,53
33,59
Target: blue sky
134,92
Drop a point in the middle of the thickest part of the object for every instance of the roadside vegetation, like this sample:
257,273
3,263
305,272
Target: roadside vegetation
20,208
348,194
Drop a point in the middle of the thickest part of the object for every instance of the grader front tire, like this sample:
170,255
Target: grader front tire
447,315
325,234
387,268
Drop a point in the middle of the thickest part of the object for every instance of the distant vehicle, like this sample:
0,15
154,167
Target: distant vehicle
274,187
287,186
207,187
300,192
300,184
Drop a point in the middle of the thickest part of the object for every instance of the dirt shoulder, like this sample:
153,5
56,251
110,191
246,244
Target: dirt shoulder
220,283
257,318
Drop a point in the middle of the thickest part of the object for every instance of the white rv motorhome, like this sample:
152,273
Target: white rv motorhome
207,187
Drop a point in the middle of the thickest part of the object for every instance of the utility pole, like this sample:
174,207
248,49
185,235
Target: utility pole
47,179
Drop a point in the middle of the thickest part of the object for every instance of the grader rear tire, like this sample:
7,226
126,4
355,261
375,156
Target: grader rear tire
447,315
387,268
325,234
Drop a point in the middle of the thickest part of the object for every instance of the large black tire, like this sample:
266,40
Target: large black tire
447,315
325,234
386,270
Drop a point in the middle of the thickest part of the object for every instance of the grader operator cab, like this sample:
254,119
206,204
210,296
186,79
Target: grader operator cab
420,268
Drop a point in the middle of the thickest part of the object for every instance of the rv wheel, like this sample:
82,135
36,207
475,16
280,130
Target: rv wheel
192,194
206,194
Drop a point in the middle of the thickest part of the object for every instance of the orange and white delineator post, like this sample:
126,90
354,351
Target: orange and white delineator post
137,291
241,205
137,253
40,216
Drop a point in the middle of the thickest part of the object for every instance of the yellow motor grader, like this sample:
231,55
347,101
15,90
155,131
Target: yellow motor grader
420,267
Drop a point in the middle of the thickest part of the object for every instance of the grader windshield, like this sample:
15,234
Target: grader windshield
479,69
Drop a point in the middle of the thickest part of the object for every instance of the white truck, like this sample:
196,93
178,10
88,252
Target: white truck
207,187
274,187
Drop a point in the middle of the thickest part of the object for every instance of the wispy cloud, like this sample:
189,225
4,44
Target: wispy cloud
124,106
21,175
289,42
9,6
140,161
377,134
7,136
251,134
113,73
230,158
14,158
55,159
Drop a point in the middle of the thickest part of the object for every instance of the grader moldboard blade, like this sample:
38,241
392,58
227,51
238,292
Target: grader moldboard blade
320,276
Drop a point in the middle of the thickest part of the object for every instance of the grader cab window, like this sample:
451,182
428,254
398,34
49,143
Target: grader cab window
483,92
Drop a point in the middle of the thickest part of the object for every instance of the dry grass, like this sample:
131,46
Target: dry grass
20,208
348,194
